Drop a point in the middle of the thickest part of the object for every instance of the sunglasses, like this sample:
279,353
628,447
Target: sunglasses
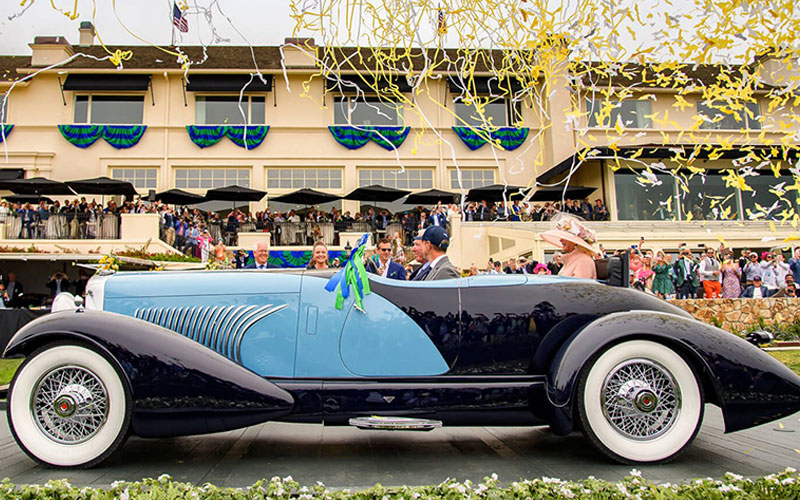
385,249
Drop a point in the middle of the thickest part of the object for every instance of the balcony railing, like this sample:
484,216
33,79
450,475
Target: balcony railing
66,226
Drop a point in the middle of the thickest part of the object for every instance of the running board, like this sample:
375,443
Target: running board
395,423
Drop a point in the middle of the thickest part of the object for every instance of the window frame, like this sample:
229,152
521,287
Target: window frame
234,97
643,122
89,111
339,99
469,183
200,177
710,125
512,111
132,180
295,184
396,181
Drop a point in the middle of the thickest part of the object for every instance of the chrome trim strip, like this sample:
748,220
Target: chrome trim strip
178,322
230,329
208,324
187,320
214,339
236,328
253,322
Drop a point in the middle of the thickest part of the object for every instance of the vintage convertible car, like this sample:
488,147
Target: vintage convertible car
177,353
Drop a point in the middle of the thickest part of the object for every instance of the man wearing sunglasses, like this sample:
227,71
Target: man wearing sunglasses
383,265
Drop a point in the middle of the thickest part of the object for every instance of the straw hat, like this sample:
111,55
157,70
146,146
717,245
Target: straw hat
569,228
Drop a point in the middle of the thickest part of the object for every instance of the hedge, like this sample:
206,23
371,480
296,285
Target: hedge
784,485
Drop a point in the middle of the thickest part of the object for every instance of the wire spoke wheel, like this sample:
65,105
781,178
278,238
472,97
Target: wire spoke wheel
639,402
70,404
641,399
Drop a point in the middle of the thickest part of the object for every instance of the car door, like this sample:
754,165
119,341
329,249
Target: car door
405,329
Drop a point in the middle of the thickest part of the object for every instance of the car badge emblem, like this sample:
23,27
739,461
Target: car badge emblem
388,399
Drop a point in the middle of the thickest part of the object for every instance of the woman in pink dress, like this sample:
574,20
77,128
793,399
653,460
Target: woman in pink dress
577,244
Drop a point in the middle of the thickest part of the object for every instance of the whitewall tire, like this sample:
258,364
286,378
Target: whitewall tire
68,406
640,402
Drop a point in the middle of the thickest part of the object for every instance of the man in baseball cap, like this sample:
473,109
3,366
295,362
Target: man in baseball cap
435,241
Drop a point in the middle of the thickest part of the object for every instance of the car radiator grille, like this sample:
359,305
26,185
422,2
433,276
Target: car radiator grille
220,328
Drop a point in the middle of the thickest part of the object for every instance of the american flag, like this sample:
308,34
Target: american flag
179,20
441,24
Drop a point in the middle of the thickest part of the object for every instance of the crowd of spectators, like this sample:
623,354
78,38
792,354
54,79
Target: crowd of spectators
705,272
70,219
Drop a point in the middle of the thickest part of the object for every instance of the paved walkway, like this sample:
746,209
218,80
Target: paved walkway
345,457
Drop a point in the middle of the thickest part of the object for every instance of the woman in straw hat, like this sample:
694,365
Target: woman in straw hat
577,244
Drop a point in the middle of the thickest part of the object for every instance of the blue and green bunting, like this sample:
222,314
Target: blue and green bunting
254,135
389,138
118,136
296,258
81,136
6,130
509,138
207,135
123,136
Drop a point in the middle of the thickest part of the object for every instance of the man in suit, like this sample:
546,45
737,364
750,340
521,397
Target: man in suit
686,275
435,241
756,290
14,291
384,265
261,256
422,271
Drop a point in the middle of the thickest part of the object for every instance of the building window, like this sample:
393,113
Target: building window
141,178
410,178
359,111
669,198
708,198
632,113
296,178
208,178
769,197
471,178
724,116
109,109
638,199
226,110
497,112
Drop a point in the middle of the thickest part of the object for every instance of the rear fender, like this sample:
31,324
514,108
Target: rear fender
178,386
750,386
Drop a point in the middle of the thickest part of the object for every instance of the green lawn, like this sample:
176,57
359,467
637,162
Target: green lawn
789,358
7,369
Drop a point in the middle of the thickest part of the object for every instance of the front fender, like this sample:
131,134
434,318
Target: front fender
749,385
178,386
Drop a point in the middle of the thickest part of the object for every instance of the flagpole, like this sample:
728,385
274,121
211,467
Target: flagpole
172,23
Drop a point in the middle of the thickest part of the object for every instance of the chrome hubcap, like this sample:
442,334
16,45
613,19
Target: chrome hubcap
640,399
70,404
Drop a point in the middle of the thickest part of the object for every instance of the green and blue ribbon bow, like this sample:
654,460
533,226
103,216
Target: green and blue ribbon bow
353,273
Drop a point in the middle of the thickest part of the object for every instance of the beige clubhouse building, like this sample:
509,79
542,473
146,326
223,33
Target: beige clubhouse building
299,150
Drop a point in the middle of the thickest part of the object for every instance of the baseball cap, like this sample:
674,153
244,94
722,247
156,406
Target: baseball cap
437,236
756,278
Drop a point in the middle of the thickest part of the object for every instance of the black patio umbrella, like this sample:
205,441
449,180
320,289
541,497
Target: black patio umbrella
179,197
306,196
234,193
432,197
376,193
495,192
27,198
36,186
558,193
103,186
